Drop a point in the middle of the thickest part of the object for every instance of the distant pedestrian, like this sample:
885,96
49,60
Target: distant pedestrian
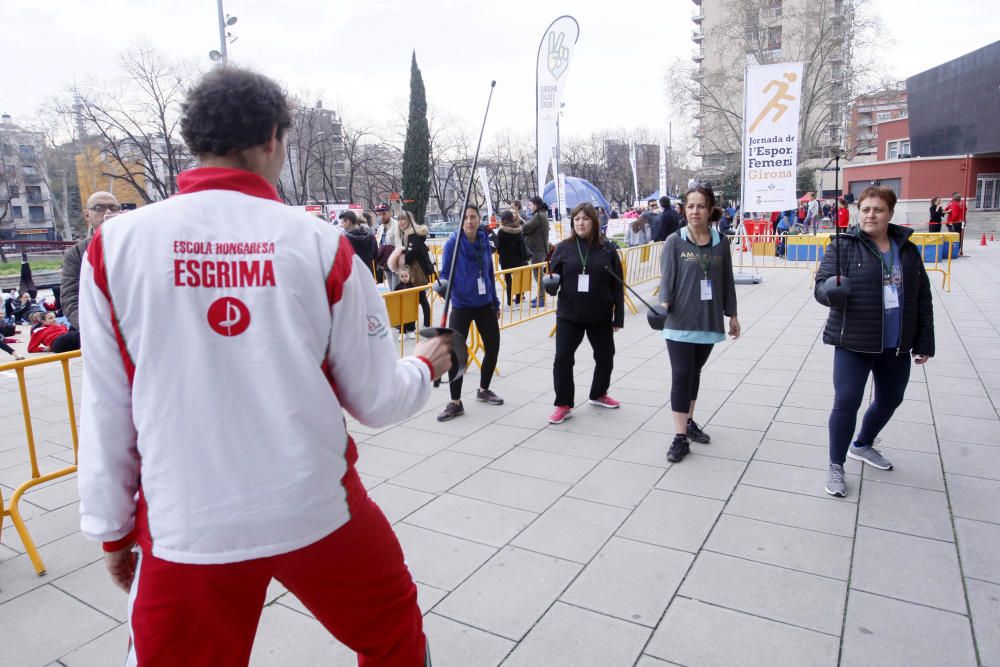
511,250
843,214
812,213
637,232
956,211
936,216
696,289
591,302
668,222
536,235
883,318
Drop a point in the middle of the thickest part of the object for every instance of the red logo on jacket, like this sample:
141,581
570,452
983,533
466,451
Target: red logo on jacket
228,316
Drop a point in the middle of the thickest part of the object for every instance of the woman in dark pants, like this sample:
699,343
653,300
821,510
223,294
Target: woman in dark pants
936,216
697,290
591,302
473,299
511,250
876,322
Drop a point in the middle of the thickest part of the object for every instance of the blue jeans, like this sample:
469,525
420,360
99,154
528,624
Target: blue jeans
850,374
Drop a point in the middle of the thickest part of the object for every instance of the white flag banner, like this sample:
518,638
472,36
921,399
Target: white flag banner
663,168
635,172
772,99
486,191
554,55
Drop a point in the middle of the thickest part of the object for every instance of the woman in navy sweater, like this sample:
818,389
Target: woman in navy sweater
473,299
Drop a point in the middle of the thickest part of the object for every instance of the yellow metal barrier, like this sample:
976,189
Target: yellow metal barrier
37,477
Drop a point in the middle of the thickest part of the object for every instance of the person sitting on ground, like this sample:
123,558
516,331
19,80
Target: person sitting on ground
35,320
361,238
23,309
9,350
47,332
591,302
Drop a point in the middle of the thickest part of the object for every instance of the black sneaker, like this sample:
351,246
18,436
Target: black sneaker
679,448
695,433
487,396
451,411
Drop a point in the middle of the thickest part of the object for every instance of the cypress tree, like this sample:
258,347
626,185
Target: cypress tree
417,149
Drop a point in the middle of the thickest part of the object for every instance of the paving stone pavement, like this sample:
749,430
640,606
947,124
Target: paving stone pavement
579,544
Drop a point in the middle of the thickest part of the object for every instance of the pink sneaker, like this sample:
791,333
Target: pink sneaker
605,402
561,414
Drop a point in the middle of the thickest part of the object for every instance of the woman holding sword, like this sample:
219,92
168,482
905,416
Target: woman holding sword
697,289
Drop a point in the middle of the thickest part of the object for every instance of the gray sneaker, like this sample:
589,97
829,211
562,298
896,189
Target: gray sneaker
835,484
869,455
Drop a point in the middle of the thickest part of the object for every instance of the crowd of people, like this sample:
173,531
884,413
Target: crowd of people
256,511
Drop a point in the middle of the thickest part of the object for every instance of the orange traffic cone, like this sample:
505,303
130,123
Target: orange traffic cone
983,240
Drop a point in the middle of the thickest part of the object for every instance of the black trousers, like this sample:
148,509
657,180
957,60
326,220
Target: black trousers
891,373
425,306
686,362
489,329
68,342
509,280
569,335
934,227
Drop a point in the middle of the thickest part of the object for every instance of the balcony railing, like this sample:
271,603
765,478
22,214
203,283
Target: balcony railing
698,15
697,36
697,56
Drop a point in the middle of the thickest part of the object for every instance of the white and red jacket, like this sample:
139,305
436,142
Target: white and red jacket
224,336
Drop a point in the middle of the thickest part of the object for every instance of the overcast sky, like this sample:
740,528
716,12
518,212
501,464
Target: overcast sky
355,55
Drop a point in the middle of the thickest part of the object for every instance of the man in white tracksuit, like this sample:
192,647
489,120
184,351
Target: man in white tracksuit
226,335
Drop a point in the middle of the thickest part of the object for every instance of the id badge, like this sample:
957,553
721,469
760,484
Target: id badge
482,285
706,289
890,296
583,284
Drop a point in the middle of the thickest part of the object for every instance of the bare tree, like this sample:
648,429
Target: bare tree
834,38
133,121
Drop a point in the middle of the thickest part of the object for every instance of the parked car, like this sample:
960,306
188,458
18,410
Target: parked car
442,229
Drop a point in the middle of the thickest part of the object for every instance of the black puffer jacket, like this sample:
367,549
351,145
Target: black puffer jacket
858,325
604,300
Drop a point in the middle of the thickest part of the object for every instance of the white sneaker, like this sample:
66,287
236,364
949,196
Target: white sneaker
411,335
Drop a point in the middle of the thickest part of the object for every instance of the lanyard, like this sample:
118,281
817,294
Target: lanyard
706,262
583,258
892,260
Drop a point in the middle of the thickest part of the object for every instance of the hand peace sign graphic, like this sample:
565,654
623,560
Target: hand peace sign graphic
558,58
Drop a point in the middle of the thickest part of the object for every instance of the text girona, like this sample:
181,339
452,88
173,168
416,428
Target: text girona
208,273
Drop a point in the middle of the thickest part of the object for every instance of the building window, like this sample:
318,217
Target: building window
13,191
18,212
883,115
895,150
33,193
36,214
774,38
27,152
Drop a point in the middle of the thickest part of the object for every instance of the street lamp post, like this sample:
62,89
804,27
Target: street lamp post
224,38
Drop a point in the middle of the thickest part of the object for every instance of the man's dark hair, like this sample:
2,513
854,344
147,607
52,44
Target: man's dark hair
665,201
539,203
349,216
232,109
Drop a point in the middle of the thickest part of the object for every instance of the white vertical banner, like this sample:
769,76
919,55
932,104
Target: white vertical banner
554,55
635,172
663,168
772,99
483,181
561,181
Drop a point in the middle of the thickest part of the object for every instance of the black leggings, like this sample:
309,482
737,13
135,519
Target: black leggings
424,306
850,374
489,330
68,342
686,362
569,335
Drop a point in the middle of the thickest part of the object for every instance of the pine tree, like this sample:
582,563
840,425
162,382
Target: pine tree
417,149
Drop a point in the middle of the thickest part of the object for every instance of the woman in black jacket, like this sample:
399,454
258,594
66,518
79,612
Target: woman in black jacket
511,250
878,318
591,302
937,215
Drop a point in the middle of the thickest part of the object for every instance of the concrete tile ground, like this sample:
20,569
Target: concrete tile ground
581,545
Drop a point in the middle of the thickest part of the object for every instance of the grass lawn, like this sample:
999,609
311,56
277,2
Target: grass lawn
13,267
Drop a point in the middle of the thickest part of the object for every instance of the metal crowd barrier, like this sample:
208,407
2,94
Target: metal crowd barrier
37,477
805,251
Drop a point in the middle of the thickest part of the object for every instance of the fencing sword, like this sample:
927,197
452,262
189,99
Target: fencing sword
459,352
837,287
656,316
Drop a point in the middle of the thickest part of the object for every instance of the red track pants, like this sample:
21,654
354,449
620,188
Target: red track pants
354,581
